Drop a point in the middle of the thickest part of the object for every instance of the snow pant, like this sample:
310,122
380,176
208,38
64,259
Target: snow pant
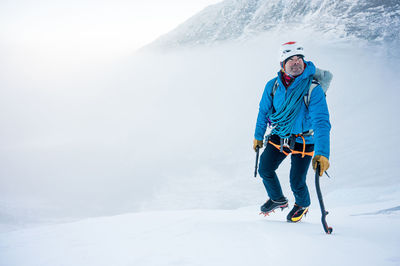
270,160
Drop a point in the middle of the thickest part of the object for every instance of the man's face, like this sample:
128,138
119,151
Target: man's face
294,66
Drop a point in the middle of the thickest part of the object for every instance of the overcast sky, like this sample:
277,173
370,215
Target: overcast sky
62,30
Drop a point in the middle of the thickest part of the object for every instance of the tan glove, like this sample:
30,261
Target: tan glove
257,143
323,162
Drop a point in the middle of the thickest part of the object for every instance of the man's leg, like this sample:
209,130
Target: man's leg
298,174
270,160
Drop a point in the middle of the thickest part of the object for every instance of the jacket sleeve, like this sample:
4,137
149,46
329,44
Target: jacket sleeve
319,114
263,111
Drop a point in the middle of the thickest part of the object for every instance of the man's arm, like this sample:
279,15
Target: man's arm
263,111
319,114
321,125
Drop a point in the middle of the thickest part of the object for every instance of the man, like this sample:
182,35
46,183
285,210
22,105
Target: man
297,129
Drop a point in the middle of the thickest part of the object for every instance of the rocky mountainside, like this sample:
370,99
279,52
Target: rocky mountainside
371,20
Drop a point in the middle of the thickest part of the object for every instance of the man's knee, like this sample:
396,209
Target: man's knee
266,171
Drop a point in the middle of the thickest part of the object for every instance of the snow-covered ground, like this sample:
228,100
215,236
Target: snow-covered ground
152,163
209,237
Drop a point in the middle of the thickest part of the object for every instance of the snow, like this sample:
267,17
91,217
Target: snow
149,162
207,237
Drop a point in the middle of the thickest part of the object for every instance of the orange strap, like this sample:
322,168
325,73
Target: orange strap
303,153
278,147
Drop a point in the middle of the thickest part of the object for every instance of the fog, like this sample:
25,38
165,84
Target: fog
173,129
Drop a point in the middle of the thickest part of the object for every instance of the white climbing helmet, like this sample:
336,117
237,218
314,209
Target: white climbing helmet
290,49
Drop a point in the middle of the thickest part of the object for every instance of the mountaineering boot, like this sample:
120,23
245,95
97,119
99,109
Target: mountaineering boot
296,213
271,205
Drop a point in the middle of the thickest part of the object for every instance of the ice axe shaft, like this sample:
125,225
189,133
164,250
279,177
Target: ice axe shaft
324,213
257,155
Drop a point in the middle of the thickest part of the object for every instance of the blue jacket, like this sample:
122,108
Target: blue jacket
315,117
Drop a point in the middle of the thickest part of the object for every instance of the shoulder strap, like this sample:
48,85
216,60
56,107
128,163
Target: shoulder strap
307,97
273,91
274,88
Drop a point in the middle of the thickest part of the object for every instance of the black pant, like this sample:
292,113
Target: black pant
270,160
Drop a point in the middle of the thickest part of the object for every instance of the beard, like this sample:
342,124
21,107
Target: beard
295,70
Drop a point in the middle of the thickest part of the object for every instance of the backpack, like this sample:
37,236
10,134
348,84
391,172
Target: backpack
321,77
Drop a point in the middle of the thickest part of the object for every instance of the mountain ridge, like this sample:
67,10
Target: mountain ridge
373,21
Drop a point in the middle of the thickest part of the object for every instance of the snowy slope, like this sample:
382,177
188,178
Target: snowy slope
371,20
207,237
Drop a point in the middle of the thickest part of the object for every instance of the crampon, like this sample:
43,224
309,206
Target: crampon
267,212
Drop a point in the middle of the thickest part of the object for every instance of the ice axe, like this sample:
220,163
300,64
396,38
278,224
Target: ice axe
324,213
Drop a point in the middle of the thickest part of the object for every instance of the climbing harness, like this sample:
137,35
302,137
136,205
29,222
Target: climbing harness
289,143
